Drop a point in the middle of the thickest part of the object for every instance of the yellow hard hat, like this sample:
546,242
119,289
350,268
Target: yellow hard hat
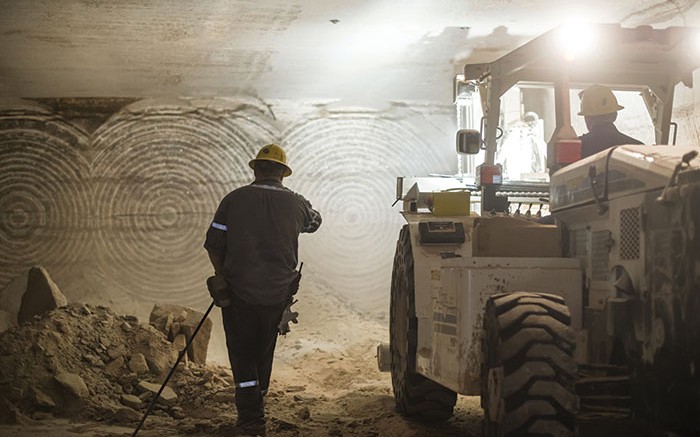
272,152
598,100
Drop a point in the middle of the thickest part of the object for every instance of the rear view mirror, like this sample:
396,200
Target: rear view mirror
468,141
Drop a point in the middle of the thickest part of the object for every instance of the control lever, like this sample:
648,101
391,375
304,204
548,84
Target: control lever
665,196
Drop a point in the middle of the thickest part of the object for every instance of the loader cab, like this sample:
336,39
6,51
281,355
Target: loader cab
524,104
528,121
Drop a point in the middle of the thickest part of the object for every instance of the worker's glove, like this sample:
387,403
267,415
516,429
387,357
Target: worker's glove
219,290
287,316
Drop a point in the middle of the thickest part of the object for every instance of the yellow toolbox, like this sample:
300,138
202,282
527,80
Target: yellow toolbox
454,201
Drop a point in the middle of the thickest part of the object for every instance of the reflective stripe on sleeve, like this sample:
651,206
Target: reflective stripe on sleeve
219,226
246,384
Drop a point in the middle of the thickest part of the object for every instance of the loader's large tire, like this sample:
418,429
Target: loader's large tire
416,396
528,372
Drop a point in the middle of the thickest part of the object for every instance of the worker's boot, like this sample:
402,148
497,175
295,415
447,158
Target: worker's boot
251,430
251,411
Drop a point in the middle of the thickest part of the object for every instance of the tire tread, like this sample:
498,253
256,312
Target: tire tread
415,396
528,335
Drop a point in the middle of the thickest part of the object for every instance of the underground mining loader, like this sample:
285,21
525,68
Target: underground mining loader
599,310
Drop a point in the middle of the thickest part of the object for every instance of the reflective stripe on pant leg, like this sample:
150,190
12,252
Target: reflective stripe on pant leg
249,403
245,384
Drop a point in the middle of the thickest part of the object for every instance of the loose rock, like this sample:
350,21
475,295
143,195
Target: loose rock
131,401
73,384
42,295
173,320
127,415
167,397
137,364
114,367
225,397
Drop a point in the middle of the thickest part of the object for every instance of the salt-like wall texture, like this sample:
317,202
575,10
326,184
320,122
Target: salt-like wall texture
117,213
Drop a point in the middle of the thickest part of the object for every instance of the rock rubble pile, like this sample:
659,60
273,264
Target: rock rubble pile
83,361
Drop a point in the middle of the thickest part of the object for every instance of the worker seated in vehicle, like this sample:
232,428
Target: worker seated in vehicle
599,109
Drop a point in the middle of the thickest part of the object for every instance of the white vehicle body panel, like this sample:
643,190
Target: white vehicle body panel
451,289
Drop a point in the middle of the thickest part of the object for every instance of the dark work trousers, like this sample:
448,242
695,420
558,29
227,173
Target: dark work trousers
251,336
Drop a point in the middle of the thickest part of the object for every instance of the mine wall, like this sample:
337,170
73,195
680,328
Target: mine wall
113,196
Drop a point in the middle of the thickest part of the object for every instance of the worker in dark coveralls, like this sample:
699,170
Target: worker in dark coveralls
599,109
252,243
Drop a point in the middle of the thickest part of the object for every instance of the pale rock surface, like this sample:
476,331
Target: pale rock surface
73,384
173,320
131,401
126,415
137,364
167,397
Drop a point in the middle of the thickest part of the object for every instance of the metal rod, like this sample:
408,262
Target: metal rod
167,378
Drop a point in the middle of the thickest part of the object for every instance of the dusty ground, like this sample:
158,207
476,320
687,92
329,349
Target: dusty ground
325,383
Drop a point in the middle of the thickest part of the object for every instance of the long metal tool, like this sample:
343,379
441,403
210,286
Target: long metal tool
167,378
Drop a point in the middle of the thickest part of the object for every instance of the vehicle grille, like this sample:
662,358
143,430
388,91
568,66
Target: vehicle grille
629,234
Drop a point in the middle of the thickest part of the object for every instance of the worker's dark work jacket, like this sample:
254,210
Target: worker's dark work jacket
256,229
603,137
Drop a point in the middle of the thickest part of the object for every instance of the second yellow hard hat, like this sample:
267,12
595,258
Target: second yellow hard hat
598,100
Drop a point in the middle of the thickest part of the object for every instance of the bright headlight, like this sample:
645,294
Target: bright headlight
576,40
